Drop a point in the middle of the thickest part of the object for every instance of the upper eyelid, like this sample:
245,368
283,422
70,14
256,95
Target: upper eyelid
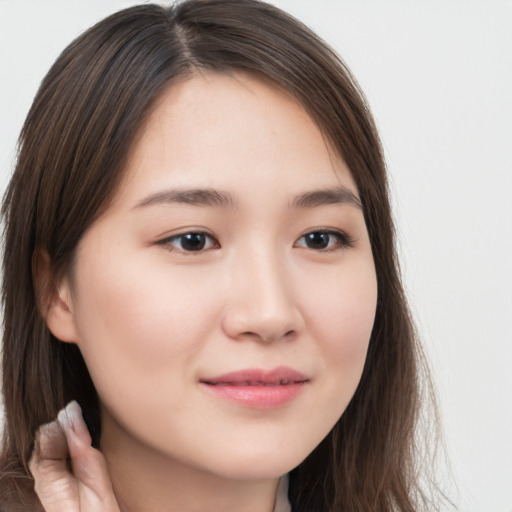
192,232
346,239
331,231
202,231
165,242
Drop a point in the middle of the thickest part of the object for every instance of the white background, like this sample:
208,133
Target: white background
438,75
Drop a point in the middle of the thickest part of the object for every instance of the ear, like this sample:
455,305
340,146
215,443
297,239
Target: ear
54,300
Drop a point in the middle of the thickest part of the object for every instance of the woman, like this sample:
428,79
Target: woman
199,252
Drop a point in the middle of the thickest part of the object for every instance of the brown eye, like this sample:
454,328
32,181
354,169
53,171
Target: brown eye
317,240
324,240
191,242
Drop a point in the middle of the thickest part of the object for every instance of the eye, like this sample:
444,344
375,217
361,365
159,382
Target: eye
324,240
194,241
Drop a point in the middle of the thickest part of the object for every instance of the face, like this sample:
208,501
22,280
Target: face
224,301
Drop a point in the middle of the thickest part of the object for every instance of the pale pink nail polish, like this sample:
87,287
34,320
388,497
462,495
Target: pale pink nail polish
69,416
72,422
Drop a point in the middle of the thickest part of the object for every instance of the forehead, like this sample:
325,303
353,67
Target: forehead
214,130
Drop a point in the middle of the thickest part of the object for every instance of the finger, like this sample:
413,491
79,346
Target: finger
51,442
54,485
89,465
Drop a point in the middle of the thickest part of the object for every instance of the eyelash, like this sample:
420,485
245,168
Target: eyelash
343,241
166,242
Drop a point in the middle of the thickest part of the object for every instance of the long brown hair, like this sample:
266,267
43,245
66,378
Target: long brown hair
72,152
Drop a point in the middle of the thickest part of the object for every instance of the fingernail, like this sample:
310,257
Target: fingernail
71,420
70,415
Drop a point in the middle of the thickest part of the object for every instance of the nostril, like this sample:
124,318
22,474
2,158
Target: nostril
268,338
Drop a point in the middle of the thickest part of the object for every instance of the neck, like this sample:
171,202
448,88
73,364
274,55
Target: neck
146,480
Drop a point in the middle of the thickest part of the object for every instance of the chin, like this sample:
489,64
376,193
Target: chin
259,466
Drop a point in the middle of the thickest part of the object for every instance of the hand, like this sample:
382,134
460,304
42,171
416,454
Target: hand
70,475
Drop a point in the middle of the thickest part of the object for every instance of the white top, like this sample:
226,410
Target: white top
282,504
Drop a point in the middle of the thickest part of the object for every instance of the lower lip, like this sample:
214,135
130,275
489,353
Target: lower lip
258,397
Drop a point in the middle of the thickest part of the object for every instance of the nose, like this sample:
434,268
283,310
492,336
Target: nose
262,304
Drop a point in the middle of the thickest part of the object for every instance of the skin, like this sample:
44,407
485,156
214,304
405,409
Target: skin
152,319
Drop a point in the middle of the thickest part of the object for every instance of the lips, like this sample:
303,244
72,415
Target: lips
257,388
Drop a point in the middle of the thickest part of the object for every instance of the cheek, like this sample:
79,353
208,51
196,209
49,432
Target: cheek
344,307
342,314
352,323
139,320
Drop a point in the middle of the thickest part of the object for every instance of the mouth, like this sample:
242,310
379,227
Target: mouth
258,388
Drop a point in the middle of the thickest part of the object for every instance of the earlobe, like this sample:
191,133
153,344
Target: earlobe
53,299
60,318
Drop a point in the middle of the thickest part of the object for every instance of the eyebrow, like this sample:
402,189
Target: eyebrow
194,196
336,195
223,199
